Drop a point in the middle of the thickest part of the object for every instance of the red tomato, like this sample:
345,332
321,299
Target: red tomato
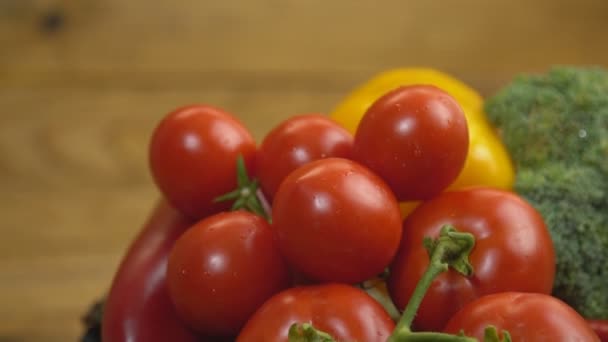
600,327
513,252
526,316
343,311
336,221
416,138
222,269
295,142
193,154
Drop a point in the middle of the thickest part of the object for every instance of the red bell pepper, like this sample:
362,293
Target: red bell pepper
600,327
138,307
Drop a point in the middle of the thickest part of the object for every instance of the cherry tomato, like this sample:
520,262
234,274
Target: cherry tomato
295,142
193,154
600,327
335,220
343,311
526,316
222,269
513,252
416,138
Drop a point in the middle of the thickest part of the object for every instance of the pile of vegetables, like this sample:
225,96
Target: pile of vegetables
393,219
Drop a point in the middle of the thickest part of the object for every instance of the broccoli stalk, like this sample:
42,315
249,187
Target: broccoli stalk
556,128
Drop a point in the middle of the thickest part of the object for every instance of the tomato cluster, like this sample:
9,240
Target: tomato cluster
283,238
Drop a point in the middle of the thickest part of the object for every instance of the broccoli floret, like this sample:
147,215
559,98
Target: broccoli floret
561,115
555,126
572,200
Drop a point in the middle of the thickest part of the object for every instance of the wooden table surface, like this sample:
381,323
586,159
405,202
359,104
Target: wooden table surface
83,83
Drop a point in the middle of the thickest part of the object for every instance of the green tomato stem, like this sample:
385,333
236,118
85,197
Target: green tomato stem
305,332
409,336
491,335
373,287
412,306
450,249
247,195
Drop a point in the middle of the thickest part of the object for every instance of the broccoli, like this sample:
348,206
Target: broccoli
561,115
556,128
572,201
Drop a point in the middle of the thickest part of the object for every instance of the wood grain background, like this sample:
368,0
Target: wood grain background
82,84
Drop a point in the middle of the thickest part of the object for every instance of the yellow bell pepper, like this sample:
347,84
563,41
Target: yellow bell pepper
351,109
488,162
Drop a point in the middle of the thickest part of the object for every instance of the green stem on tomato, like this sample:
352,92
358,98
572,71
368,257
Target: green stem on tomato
450,249
412,306
305,332
426,336
247,195
376,288
491,335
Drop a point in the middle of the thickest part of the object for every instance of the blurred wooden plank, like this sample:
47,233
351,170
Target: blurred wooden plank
84,137
49,302
475,38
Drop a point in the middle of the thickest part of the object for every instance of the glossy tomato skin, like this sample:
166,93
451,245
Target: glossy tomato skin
513,252
222,269
193,153
295,142
336,221
343,311
600,327
138,308
526,316
416,138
